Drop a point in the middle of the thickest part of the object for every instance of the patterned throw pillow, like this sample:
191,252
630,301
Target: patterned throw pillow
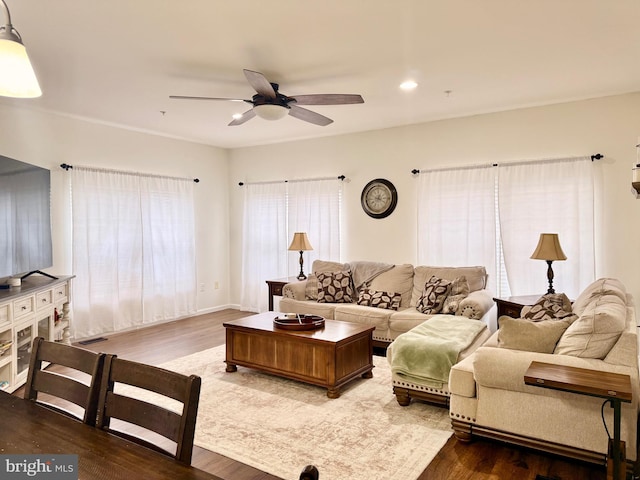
374,298
311,289
552,306
459,291
335,287
436,291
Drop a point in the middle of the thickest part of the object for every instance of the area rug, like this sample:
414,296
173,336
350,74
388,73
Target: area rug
279,425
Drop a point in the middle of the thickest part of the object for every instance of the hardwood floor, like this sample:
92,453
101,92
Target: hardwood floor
479,460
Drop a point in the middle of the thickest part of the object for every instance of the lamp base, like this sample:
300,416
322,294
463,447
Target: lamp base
550,277
301,275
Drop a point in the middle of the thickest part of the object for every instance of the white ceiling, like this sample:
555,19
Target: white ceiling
117,61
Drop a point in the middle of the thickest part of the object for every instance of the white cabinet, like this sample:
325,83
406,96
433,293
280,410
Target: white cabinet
40,307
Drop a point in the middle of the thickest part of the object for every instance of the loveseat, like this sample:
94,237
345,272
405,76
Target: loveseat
386,296
489,397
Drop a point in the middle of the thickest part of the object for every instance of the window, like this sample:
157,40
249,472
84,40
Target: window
133,250
273,212
493,216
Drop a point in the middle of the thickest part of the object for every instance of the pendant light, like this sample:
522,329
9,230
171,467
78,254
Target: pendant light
17,78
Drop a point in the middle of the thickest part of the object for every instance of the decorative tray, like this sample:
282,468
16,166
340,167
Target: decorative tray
293,321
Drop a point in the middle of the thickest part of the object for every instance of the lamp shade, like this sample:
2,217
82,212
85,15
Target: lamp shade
271,112
548,248
17,78
300,242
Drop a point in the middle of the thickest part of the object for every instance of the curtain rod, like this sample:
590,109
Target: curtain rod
416,171
340,177
67,167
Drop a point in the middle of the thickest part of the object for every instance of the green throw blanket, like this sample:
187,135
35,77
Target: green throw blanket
427,352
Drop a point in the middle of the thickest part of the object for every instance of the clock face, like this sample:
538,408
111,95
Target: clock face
379,198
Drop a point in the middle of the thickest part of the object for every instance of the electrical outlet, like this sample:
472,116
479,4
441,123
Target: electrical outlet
202,287
216,285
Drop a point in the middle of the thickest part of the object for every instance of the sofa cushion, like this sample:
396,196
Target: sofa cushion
375,317
459,291
549,307
476,277
597,329
335,287
522,334
309,307
399,279
377,299
611,286
436,290
405,319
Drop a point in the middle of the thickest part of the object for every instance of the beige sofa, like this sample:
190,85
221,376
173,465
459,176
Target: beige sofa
406,280
489,397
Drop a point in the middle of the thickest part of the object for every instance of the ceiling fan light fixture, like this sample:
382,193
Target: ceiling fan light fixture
271,112
17,78
408,85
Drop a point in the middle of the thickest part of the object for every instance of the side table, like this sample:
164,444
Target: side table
276,286
511,306
613,387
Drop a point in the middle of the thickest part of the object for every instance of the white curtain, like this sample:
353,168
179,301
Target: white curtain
457,219
273,212
314,208
264,246
548,197
133,250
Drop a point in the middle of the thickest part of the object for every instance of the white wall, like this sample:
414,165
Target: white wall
610,126
48,140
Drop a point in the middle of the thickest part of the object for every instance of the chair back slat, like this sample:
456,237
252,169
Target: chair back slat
146,415
72,387
179,427
61,386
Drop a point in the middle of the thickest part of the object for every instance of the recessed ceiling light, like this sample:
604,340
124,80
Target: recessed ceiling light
408,85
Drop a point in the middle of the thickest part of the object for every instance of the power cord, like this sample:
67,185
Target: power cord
602,415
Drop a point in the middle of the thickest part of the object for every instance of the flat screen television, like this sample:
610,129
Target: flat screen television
25,218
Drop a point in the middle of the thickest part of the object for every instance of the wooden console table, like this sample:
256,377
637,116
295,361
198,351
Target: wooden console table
37,308
613,387
276,286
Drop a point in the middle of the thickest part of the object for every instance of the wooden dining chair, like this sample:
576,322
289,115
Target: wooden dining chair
310,472
126,405
77,383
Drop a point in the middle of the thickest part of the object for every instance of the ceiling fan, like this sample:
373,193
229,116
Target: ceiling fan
270,104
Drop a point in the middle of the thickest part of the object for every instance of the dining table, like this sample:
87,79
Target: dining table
27,428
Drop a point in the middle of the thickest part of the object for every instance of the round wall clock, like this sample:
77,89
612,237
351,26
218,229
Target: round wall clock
379,198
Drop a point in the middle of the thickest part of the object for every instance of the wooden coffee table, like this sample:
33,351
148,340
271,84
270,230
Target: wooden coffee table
329,357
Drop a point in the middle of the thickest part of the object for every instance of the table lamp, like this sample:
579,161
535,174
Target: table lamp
300,243
549,249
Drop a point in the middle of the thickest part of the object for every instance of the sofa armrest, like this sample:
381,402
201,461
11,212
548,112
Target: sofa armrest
476,304
295,290
504,368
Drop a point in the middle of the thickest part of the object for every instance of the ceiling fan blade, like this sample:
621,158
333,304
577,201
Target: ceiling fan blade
309,116
327,99
246,116
181,97
260,83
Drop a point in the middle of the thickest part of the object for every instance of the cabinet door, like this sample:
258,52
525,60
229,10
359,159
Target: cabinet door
23,344
45,325
6,355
